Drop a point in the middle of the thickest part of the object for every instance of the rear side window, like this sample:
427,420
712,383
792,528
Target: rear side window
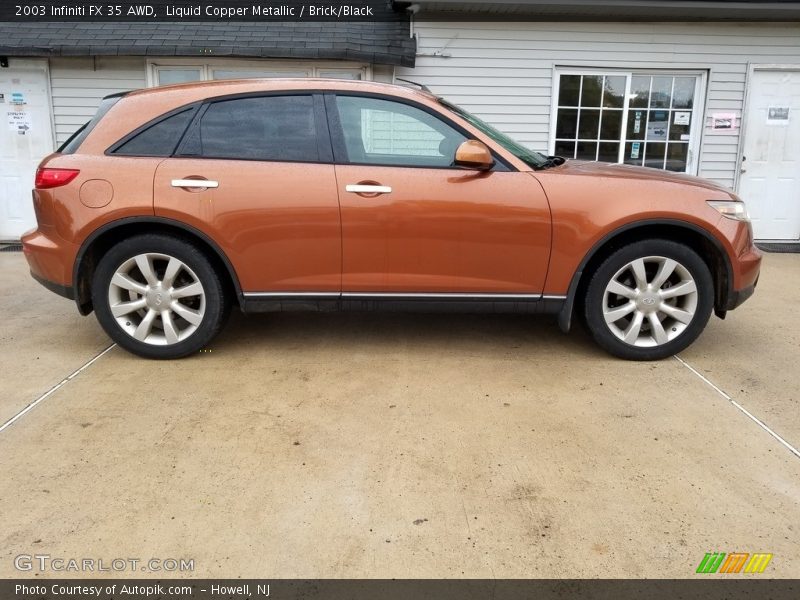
280,128
159,139
76,139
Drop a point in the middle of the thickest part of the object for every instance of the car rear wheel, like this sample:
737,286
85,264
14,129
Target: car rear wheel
649,300
158,297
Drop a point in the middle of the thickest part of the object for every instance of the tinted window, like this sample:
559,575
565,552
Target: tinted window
160,139
382,132
265,128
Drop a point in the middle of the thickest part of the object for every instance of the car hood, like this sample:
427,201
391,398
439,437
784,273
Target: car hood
599,169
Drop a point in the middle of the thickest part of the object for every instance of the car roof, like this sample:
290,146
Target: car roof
223,87
138,107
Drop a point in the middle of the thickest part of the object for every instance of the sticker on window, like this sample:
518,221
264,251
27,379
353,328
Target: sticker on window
635,149
682,118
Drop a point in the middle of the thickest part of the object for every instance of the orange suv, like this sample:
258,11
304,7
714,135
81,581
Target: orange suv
174,204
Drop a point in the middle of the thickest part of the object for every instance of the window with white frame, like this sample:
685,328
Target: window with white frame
183,72
645,119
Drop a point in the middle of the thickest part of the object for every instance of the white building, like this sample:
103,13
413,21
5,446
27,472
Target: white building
709,88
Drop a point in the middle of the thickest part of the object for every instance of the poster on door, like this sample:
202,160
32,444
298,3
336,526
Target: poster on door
18,121
778,115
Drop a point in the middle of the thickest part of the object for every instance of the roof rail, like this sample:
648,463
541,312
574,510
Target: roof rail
424,88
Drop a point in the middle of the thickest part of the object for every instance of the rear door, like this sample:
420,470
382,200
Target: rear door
254,173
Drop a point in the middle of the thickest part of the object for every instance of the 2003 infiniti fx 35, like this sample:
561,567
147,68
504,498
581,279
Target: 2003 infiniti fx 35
173,204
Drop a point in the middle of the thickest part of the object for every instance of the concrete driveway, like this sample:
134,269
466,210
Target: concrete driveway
400,446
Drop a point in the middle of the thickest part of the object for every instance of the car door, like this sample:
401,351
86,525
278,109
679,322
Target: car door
254,173
414,223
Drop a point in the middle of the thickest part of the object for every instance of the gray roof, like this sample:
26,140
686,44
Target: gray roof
610,10
387,42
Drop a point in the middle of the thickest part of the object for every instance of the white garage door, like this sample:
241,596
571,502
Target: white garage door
26,136
770,182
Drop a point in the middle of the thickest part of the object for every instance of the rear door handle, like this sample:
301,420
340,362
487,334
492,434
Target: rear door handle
360,188
194,183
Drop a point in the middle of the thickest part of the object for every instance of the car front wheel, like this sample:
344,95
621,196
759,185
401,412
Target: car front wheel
649,300
158,297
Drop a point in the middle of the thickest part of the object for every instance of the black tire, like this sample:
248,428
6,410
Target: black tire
212,303
608,336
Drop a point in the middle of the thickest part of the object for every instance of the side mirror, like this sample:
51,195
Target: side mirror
473,154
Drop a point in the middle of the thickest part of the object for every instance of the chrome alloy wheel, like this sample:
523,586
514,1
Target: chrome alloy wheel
156,299
650,301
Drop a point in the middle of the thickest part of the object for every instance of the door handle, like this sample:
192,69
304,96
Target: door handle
194,183
361,188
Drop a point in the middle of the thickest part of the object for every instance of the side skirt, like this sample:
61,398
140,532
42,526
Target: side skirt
534,304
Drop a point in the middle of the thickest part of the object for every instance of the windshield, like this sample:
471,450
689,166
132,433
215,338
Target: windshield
536,160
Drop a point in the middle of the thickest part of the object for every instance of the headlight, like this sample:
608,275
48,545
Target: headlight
730,208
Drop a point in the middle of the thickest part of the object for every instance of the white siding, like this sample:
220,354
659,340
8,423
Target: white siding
503,72
383,73
78,85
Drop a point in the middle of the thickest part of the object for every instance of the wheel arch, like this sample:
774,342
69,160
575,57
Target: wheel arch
698,239
111,233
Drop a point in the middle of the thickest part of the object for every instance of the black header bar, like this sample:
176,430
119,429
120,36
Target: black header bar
701,588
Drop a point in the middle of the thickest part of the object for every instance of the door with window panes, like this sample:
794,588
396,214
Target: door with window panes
643,119
186,72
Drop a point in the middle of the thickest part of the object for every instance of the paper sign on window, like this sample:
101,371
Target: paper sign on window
682,118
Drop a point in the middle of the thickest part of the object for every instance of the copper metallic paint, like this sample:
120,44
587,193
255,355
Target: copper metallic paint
292,227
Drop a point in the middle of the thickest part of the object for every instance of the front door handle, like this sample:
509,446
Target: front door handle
362,188
194,183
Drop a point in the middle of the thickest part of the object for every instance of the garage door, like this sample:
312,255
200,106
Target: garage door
26,136
770,180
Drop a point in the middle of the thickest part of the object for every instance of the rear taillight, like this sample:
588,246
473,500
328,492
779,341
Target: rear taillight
50,178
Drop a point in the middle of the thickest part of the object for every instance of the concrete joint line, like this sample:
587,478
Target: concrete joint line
741,408
57,386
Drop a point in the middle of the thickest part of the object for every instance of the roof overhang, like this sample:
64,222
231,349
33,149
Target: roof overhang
380,42
608,10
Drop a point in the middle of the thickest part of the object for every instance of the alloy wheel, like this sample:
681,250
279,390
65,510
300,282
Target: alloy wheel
650,301
157,299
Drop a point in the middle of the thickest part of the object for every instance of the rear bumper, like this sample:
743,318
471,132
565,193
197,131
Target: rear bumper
67,291
50,260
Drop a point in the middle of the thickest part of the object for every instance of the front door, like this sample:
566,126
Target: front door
26,137
413,223
770,172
